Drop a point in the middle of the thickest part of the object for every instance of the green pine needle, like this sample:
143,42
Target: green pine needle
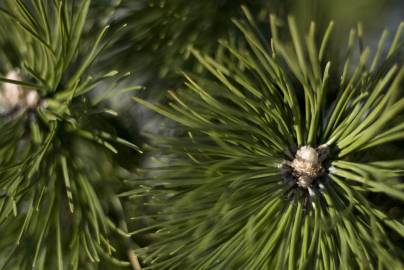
57,180
233,190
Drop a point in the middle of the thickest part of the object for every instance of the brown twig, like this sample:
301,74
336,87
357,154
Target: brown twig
133,259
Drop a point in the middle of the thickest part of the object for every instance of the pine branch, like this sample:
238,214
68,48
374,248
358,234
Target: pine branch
269,170
57,174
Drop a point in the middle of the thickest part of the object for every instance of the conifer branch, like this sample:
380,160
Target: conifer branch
269,171
55,171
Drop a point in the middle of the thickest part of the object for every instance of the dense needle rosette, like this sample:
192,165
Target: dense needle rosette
273,165
58,179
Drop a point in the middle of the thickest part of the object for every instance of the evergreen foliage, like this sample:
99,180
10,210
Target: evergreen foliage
274,168
160,33
58,179
282,149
